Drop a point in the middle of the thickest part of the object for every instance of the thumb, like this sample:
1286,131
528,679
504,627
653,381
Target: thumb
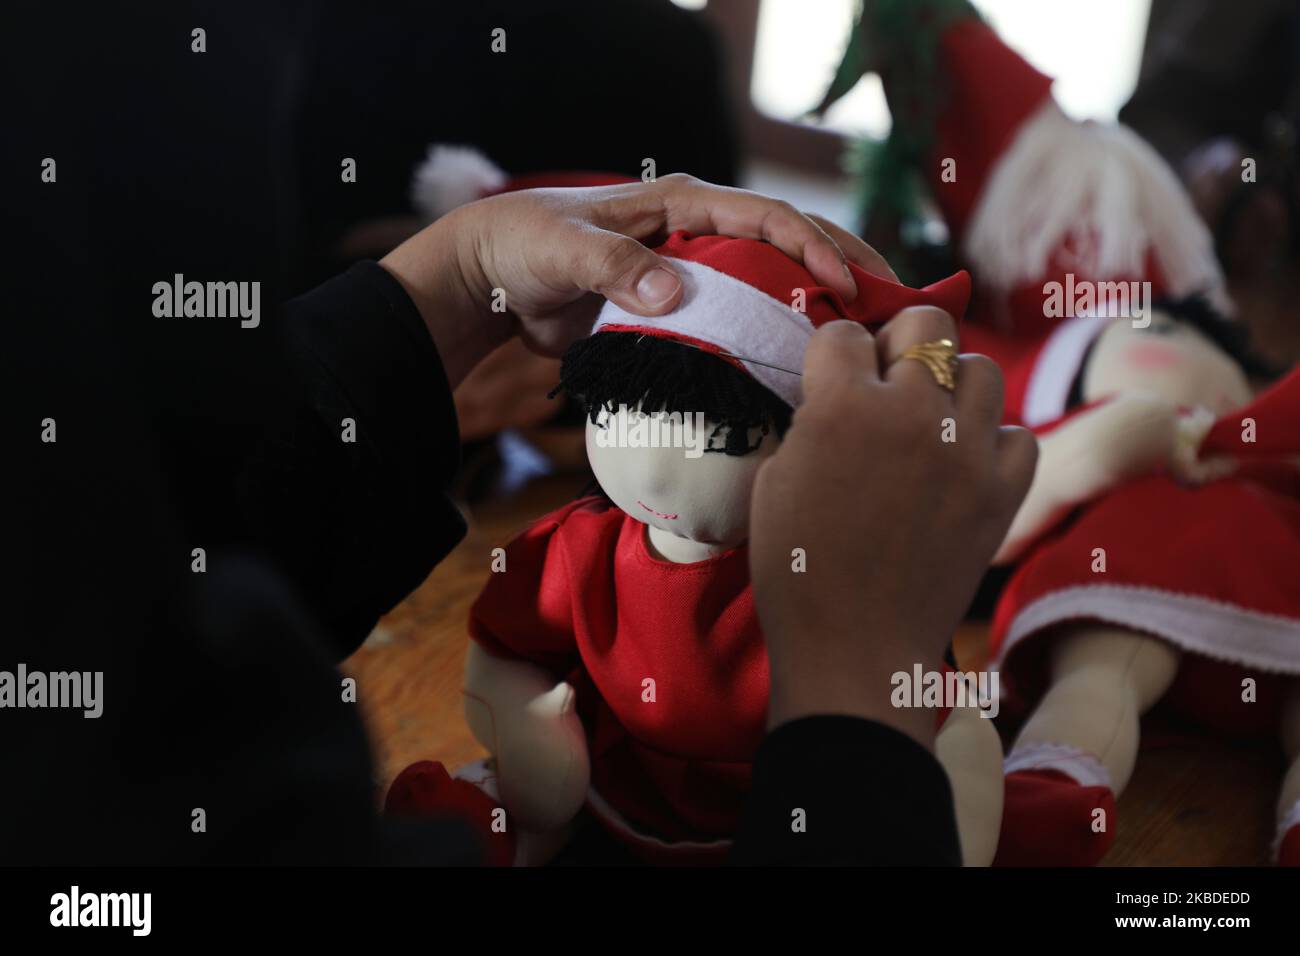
628,274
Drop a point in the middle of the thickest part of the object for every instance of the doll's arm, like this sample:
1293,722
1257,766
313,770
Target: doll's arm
1089,454
517,710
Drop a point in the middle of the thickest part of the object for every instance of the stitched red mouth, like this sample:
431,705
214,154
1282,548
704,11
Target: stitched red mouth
657,514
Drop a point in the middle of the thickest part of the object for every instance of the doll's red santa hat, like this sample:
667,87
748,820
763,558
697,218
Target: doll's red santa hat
451,176
1028,194
753,305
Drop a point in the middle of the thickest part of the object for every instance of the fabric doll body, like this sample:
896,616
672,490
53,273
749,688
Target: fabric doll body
586,600
617,661
670,761
1146,575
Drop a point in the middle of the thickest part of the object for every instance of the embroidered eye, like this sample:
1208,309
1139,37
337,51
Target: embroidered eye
718,440
736,442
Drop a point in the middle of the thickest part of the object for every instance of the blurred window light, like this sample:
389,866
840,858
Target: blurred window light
1092,47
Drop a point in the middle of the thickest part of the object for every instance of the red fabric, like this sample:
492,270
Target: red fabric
425,790
1288,851
1047,820
990,92
1233,541
1020,310
582,597
1015,355
771,271
1277,418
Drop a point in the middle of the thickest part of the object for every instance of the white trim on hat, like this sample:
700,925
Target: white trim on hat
1057,364
737,318
1215,629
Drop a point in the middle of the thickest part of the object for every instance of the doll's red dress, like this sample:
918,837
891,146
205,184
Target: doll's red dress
582,597
1213,570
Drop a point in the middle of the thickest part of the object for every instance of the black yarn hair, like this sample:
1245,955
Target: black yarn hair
612,369
1196,311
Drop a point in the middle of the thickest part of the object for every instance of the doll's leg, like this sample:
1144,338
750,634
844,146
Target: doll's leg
531,848
969,748
1288,804
530,725
1077,751
1103,679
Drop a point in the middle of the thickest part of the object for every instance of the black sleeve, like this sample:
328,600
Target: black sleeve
870,796
347,491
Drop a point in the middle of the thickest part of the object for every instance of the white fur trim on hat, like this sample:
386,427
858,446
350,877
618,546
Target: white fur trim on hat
1057,364
1081,767
737,318
1102,184
452,176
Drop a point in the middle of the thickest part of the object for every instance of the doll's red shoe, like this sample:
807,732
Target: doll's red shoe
425,790
1048,819
1288,850
1288,844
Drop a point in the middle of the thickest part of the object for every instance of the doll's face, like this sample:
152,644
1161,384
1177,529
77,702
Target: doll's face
1167,358
702,496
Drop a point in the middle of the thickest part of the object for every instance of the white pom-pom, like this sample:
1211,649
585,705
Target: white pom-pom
452,176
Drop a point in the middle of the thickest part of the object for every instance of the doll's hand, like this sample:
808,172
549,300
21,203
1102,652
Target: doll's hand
1186,464
895,523
543,768
547,256
1131,436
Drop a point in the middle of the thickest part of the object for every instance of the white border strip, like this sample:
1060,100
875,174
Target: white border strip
1083,768
1056,366
1212,628
736,317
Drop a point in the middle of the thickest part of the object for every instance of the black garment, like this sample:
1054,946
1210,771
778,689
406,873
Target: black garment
843,791
582,85
220,696
220,702
1214,69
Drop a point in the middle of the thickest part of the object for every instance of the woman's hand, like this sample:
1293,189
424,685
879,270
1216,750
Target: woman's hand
537,262
894,521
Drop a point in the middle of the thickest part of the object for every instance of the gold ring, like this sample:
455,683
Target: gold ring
940,357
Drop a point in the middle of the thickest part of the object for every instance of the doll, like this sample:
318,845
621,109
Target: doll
1038,206
1148,573
617,662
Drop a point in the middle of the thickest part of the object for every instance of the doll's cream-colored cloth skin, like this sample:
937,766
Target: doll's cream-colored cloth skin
1104,677
694,508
